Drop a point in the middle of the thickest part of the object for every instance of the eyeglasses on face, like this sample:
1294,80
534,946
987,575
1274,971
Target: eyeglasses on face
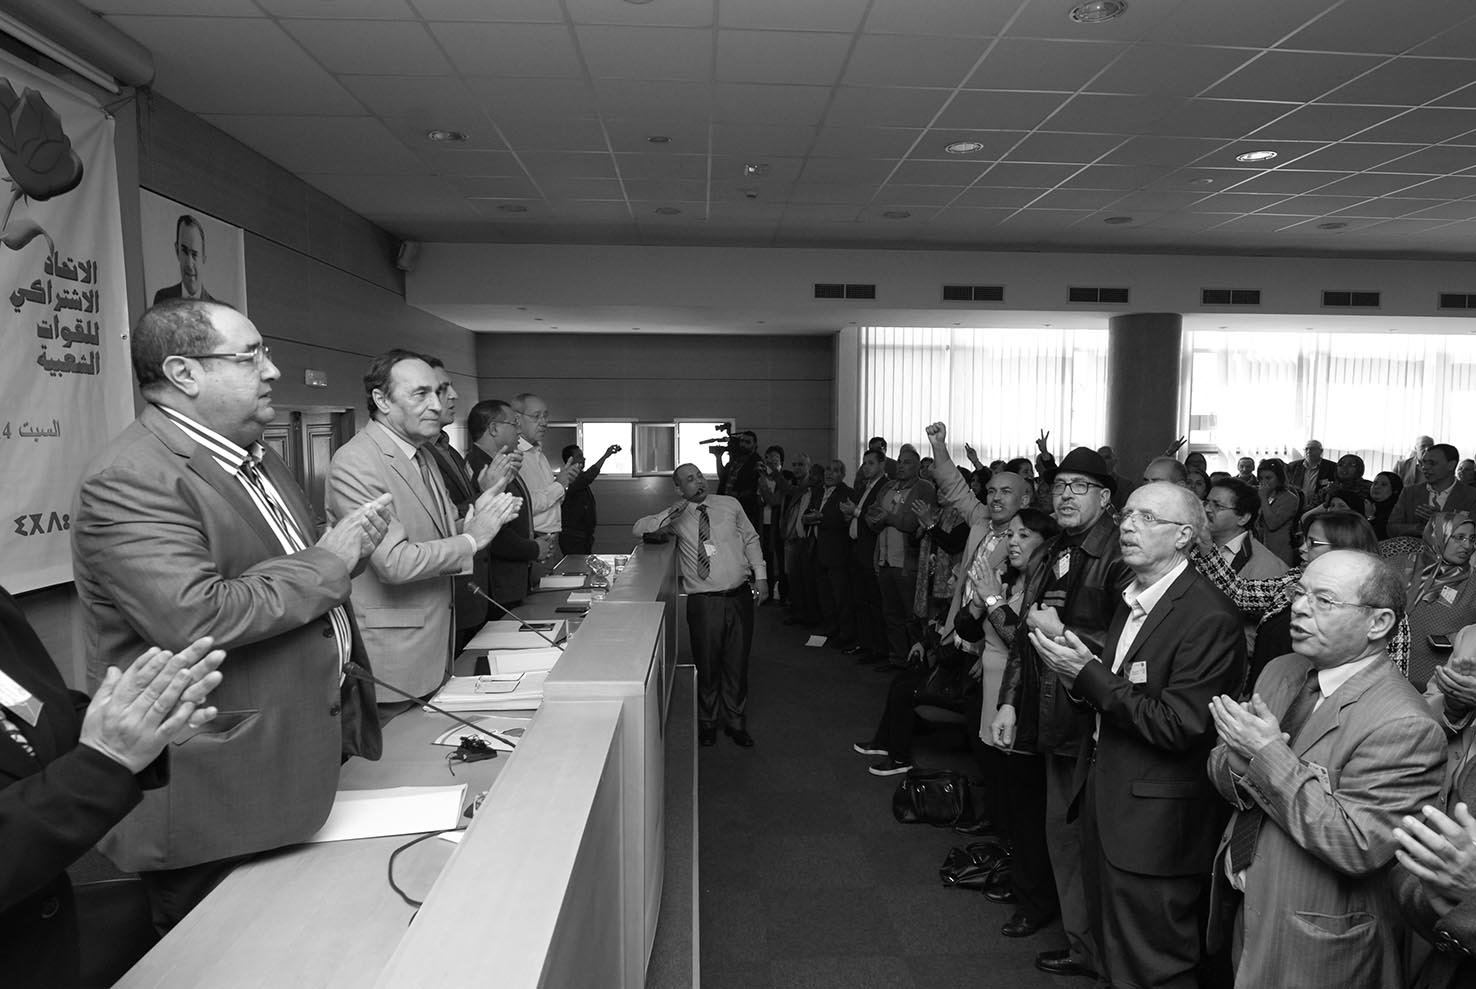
1320,601
1139,517
1215,506
1075,487
260,355
506,422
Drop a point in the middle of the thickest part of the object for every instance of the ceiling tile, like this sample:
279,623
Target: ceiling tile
371,194
507,97
991,196
945,17
750,140
1256,222
1457,41
1427,125
1289,182
817,213
649,166
1384,208
1017,63
1175,71
1317,204
1240,202
666,190
919,195
999,110
550,11
852,106
977,217
1406,82
1043,220
1229,119
1457,210
897,60
1346,157
1050,19
848,170
201,60
323,145
1323,122
1028,176
1292,76
534,50
786,15
543,134
996,144
647,53
496,187
831,194
1235,23
461,161
782,171
668,13
1366,26
750,103
877,212
1158,199
958,173
1125,115
1446,187
1120,177
1209,180
639,99
435,101
563,165
781,56
370,47
1081,149
865,142
369,9
631,135
481,135
1092,199
197,8
581,189
1434,161
1170,151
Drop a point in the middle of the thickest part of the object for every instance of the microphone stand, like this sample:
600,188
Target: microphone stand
471,585
359,673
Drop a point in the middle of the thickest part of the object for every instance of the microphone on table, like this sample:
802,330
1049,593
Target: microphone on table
485,751
471,585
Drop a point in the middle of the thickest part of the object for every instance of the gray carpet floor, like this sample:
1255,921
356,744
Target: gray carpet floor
806,879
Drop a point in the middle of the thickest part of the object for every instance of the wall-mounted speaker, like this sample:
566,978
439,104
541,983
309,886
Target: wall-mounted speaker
408,256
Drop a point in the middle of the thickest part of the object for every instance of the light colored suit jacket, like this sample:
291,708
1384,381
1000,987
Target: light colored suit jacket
1317,906
403,599
167,547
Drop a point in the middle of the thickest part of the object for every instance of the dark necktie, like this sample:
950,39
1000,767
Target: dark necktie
704,536
1248,824
251,469
428,475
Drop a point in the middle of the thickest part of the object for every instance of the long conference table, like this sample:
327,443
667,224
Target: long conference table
558,878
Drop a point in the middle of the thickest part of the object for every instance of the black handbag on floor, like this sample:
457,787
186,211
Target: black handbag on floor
939,797
979,866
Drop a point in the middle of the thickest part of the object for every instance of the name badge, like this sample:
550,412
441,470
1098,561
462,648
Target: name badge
1138,672
1063,565
1448,595
710,549
19,701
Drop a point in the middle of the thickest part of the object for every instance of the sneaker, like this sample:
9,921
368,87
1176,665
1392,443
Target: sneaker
868,748
889,767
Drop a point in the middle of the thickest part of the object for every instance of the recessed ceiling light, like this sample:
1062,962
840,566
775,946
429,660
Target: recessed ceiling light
756,169
1098,11
963,147
1202,180
1256,156
439,136
658,139
666,211
1117,220
1336,225
513,208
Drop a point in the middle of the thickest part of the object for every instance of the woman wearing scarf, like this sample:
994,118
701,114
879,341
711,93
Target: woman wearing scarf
1442,597
1383,496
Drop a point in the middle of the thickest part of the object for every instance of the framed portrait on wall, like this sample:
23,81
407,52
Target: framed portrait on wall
190,254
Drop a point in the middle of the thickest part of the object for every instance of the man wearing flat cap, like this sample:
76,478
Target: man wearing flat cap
1079,589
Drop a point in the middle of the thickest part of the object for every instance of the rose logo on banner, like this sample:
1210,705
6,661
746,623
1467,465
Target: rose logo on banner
39,158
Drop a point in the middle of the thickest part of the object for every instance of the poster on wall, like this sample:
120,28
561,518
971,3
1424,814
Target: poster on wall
66,384
188,254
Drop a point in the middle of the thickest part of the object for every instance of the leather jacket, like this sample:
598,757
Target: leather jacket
1096,582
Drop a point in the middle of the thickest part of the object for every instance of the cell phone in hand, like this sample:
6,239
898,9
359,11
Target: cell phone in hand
1441,642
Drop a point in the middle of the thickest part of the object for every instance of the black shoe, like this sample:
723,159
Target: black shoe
868,748
1000,894
1020,925
740,737
707,735
978,828
890,767
1060,963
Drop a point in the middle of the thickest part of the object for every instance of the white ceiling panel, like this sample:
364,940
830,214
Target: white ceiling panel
786,15
542,134
1297,76
547,11
1425,125
1350,156
531,50
640,99
566,165
941,17
1229,119
399,10
1257,25
668,13
808,58
996,144
370,47
380,194
441,160
938,172
899,60
995,197
481,134
1170,151
683,54
1367,26
1123,115
852,106
1434,161
1287,182
197,8
1051,19
1120,177
571,189
510,97
686,137
864,142
202,63
761,140
325,145
999,110
918,195
1028,176
1323,122
1023,63
1169,70
435,101
502,187
748,103
1407,82
782,172
1080,149
859,170
655,166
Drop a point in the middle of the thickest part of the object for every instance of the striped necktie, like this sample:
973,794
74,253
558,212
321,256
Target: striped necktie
1248,824
251,469
428,475
704,536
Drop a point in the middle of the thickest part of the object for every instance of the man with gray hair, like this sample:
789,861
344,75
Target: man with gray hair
1334,747
546,488
1147,811
1165,469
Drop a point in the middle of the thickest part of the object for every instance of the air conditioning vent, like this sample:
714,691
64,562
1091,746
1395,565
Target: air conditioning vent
1110,296
1351,300
973,293
1230,297
839,290
1457,300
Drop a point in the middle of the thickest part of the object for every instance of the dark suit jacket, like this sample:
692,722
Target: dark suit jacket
167,547
1404,522
54,806
1296,473
513,550
176,291
461,485
833,546
863,547
1156,810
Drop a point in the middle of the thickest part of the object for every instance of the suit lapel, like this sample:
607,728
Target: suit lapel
409,473
1161,611
1330,713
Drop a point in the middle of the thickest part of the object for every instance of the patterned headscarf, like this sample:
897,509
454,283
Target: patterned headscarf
1429,573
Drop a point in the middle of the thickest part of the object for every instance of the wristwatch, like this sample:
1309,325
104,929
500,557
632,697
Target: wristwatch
992,601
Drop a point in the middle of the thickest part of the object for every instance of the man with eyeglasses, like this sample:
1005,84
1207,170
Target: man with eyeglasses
1148,816
493,426
187,525
1334,748
546,488
1079,590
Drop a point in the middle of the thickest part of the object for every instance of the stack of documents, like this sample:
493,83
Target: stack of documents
497,692
517,635
561,582
396,810
522,660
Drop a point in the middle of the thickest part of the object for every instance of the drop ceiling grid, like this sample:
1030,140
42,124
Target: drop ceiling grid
849,102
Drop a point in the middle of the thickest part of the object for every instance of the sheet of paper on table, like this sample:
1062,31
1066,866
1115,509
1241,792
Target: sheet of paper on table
497,692
509,635
395,810
522,660
558,582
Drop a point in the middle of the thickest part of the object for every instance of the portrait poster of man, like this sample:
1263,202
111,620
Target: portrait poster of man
189,254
